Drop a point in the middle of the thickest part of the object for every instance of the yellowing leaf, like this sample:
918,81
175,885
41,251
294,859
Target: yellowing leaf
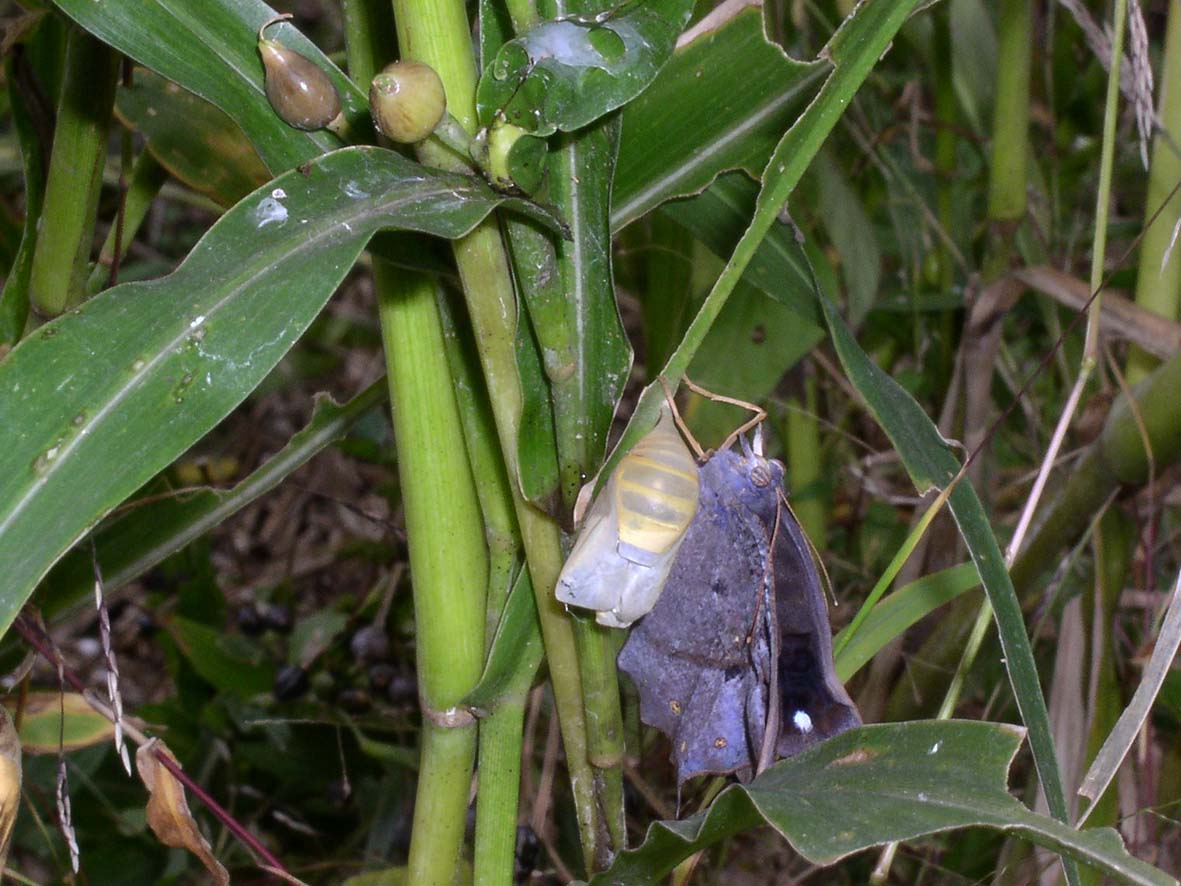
168,810
41,729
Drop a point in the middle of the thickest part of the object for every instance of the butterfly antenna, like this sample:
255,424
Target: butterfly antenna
760,414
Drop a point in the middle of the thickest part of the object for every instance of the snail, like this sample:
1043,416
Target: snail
622,557
297,88
407,101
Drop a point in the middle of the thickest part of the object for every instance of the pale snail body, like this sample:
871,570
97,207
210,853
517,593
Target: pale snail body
622,557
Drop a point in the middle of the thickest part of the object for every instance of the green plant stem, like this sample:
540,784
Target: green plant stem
523,13
369,38
502,731
1114,543
1010,129
14,298
500,786
437,33
448,562
147,178
604,730
1158,283
60,264
1103,198
1117,459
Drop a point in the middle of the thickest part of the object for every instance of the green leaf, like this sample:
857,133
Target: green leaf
588,375
930,463
89,424
210,48
719,217
193,140
228,662
563,75
850,232
313,635
136,539
722,102
754,341
875,785
42,730
903,608
516,651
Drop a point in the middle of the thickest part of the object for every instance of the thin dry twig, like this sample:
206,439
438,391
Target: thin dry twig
45,647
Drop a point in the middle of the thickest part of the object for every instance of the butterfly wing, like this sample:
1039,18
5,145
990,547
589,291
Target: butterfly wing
813,703
691,658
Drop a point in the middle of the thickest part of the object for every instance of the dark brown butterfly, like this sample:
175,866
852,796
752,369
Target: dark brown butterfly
734,663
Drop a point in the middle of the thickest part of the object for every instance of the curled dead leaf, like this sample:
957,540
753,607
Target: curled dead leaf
168,810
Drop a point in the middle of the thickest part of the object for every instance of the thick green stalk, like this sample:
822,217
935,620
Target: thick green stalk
147,178
436,32
500,787
61,262
370,38
1158,283
604,731
502,731
448,562
1010,129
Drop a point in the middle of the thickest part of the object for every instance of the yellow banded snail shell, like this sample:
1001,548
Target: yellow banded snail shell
623,555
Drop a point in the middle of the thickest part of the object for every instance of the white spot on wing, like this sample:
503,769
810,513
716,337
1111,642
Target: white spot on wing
802,721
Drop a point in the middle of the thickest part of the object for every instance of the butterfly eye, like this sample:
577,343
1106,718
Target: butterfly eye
297,88
629,541
760,475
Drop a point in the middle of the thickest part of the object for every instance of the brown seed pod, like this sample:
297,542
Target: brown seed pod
407,101
297,88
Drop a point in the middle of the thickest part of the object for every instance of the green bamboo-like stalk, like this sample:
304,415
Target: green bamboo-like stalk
448,562
436,32
502,730
369,38
147,178
1010,129
1158,283
61,262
